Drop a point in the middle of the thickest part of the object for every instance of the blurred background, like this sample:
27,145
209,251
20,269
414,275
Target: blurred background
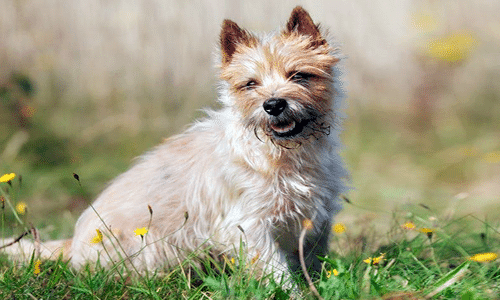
86,86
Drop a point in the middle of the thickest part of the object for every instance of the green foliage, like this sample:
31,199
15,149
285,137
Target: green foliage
414,265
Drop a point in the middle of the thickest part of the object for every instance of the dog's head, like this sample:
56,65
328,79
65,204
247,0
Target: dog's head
281,84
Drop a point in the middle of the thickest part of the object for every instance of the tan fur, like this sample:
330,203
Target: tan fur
241,173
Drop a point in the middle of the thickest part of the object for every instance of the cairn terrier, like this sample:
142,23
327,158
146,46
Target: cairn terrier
248,175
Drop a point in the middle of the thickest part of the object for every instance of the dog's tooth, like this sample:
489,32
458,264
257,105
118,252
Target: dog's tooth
285,129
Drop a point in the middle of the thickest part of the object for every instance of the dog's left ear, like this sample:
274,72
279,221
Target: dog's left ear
301,22
230,37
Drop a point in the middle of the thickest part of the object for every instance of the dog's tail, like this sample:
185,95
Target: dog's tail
23,249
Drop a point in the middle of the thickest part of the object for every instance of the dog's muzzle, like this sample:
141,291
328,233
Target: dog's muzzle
281,124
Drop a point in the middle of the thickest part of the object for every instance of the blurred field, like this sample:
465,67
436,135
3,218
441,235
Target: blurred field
87,86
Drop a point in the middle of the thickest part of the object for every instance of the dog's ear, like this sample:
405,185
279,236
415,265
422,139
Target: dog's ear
230,37
301,22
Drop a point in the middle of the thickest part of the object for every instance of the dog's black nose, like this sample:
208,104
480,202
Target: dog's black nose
275,106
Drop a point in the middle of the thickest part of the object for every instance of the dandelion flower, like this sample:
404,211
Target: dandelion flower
229,261
375,260
492,157
334,272
428,231
484,257
7,177
408,225
308,224
469,151
97,238
254,259
36,271
452,48
141,231
339,228
21,208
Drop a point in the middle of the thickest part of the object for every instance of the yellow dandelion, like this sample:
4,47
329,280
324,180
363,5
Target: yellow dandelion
308,224
141,231
484,257
229,261
492,157
334,272
408,225
469,151
7,177
377,260
452,48
339,228
254,259
428,231
21,208
374,260
97,238
36,271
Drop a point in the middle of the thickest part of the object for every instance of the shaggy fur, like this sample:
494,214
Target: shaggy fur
252,171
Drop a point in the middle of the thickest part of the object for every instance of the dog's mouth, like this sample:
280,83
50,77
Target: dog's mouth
283,127
287,129
291,128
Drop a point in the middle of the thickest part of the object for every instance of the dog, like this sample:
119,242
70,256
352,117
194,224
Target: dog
247,175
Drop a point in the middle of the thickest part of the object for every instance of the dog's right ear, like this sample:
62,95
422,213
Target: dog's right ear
301,22
230,37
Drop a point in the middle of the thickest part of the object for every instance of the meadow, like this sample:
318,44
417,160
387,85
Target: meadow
422,247
420,257
87,89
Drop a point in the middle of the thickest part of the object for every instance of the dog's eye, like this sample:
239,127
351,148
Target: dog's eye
251,84
301,77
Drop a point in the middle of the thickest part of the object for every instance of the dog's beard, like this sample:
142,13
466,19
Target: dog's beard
292,128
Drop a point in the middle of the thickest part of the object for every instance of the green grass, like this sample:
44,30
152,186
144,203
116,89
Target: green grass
413,263
417,267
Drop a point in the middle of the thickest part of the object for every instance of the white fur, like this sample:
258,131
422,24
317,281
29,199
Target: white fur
231,184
